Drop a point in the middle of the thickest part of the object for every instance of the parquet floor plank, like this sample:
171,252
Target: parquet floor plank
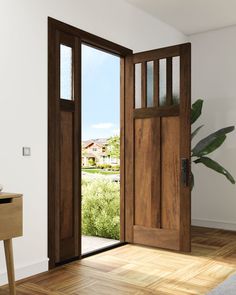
138,270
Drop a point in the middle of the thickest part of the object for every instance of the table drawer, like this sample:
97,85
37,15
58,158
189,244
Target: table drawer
10,218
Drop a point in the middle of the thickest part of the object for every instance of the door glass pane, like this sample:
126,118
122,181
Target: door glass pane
176,79
150,66
138,85
162,82
66,72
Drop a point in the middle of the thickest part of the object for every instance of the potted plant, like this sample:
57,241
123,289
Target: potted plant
207,145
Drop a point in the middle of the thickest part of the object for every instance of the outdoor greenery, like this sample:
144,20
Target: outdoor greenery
91,162
208,144
109,167
101,208
100,171
114,146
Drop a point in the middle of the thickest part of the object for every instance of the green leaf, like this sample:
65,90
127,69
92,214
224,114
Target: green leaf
195,132
211,142
196,110
216,167
204,149
223,131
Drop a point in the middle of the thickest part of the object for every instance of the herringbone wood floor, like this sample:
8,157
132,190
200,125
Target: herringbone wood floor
140,270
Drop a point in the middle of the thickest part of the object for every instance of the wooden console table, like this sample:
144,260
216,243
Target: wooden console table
10,227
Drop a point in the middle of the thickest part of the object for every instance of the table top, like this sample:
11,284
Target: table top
4,195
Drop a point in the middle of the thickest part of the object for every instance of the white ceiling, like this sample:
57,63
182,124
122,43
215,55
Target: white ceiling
191,16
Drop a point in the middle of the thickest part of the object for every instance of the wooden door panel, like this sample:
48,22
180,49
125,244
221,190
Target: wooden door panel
157,139
66,175
64,150
147,166
170,167
154,237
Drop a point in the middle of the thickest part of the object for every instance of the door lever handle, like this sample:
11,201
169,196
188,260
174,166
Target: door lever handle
184,171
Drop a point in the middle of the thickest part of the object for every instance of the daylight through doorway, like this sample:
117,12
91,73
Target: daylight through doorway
100,149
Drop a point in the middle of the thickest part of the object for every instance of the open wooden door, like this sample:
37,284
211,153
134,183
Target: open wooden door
157,148
64,137
64,145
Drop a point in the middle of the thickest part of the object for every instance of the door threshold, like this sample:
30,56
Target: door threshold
103,249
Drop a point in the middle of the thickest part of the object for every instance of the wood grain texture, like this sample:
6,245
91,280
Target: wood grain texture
140,270
156,237
89,38
185,144
53,151
156,112
170,167
66,175
175,139
122,150
156,76
144,85
129,148
11,220
169,81
147,172
60,33
69,169
10,265
156,54
4,195
77,149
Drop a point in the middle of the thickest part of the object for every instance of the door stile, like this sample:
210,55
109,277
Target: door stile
129,148
122,149
185,145
77,147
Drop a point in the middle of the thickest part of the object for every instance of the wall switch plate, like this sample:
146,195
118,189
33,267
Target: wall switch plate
26,151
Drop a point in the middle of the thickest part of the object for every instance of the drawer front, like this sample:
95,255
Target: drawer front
10,218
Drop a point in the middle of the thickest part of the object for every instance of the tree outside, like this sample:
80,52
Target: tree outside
114,146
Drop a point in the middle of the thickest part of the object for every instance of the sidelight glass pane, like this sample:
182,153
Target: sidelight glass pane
162,82
66,74
138,85
176,79
150,66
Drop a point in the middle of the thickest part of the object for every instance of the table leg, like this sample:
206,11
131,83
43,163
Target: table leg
10,265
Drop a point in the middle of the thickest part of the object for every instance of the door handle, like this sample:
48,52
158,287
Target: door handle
184,171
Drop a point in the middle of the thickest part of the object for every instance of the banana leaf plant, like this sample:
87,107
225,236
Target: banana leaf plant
208,144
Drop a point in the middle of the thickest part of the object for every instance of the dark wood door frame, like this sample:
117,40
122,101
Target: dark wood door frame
61,33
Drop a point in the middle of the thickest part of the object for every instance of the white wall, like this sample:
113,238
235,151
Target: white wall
214,80
23,99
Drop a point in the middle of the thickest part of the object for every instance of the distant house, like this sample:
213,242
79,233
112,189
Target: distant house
95,151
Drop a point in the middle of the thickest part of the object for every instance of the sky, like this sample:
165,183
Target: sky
100,94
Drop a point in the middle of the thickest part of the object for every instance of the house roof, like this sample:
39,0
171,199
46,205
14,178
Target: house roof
99,141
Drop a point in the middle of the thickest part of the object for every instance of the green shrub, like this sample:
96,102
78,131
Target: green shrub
116,168
91,162
104,166
100,166
101,208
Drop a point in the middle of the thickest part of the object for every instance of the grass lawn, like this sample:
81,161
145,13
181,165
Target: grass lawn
100,171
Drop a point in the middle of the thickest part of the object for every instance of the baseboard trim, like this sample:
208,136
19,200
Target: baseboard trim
26,271
214,224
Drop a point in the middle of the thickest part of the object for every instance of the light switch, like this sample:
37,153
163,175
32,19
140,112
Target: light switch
26,151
